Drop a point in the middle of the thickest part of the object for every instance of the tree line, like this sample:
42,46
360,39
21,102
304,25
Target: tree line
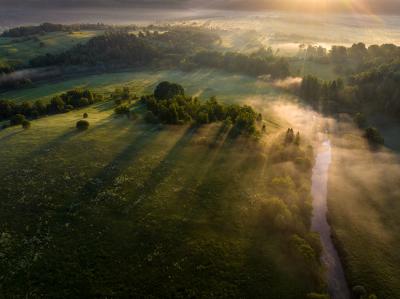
70,100
261,62
119,48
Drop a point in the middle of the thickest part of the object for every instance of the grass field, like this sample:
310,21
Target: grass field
25,48
202,83
131,208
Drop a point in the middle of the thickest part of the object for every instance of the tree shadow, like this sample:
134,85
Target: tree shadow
107,175
164,168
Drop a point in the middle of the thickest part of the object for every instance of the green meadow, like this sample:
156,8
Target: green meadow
202,83
155,211
25,48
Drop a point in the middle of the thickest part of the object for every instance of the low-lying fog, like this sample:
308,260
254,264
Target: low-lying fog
283,31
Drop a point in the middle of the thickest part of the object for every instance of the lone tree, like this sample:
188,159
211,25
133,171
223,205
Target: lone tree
26,124
82,125
374,136
166,91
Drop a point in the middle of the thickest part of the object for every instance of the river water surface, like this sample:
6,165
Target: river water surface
337,285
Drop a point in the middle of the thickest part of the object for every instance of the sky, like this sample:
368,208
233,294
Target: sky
363,6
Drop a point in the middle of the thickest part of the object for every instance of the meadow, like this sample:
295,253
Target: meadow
21,50
152,210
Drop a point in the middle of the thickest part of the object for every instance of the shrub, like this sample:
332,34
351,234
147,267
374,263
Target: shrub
374,136
26,124
68,108
82,125
85,115
360,120
121,110
17,119
359,292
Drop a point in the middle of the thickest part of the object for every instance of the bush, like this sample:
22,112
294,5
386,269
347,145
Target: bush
26,124
17,119
121,110
359,292
82,125
85,115
374,136
360,120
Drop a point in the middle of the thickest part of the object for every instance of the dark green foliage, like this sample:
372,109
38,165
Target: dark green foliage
180,109
122,110
359,292
289,138
82,125
118,48
151,118
374,136
17,119
360,120
26,124
256,64
167,91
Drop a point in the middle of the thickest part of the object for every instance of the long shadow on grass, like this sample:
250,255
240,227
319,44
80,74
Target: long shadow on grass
164,168
107,175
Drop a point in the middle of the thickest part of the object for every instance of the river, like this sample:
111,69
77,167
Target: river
337,285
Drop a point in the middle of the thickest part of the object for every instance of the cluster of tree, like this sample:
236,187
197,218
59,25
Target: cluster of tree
315,91
13,83
114,48
292,138
260,63
119,48
170,105
65,102
353,59
377,90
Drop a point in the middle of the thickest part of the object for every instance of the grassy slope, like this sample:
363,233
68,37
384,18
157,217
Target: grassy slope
129,208
24,49
364,208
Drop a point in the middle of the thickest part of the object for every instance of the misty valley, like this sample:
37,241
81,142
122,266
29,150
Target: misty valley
210,155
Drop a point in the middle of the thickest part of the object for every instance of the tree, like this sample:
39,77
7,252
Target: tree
374,136
82,125
289,138
17,119
167,91
26,124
